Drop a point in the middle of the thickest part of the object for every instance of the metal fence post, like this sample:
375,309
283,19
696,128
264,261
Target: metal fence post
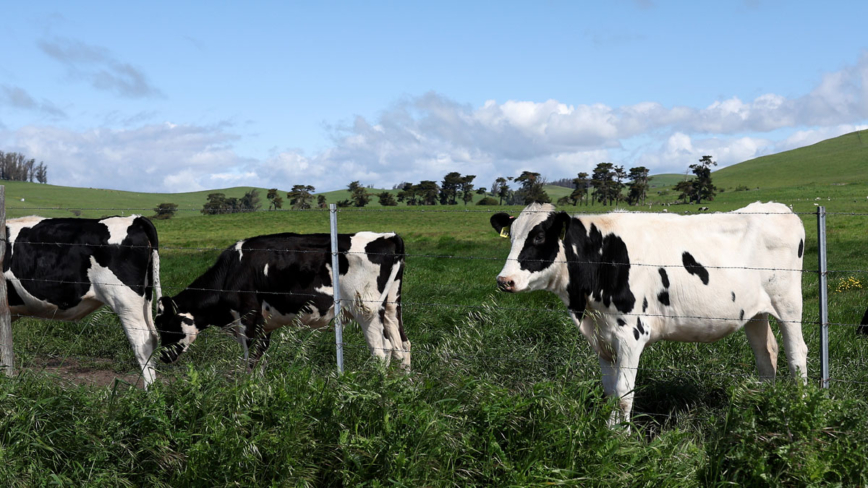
7,358
336,287
824,298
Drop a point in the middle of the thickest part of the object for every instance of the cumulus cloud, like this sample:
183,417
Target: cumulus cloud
158,157
427,136
100,68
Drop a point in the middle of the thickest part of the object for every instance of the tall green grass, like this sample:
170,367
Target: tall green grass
504,390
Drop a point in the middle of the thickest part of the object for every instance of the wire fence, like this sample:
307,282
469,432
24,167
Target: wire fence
845,346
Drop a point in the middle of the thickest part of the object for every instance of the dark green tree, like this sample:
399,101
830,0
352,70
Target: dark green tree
703,189
427,192
685,189
407,194
619,176
249,202
321,201
165,211
387,199
531,188
216,204
359,195
450,187
301,196
638,187
500,188
603,181
467,188
274,199
580,185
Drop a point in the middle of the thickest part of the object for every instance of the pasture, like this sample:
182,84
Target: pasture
504,390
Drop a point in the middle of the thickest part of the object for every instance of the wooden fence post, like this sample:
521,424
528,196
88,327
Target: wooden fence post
7,359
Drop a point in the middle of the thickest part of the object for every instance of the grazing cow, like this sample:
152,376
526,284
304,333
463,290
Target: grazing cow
703,209
66,268
260,284
631,279
863,327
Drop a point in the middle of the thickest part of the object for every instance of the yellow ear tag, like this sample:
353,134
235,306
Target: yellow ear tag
563,232
504,232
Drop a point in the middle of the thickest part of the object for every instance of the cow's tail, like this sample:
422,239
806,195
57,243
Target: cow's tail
396,267
154,268
393,288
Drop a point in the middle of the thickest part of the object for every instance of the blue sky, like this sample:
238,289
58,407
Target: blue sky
166,97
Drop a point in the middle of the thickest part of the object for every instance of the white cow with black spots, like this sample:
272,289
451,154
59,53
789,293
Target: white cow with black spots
631,279
266,282
66,268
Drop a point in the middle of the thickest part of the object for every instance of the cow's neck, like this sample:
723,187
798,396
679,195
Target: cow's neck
583,249
558,277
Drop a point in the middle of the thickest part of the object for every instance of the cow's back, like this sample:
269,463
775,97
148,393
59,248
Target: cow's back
685,270
52,260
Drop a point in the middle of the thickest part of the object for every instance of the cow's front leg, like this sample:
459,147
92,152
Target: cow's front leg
618,346
253,339
374,332
622,375
260,345
618,349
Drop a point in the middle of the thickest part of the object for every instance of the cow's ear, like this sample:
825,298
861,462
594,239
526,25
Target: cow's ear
562,223
167,305
501,223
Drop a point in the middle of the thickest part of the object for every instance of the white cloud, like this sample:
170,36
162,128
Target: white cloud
159,157
427,136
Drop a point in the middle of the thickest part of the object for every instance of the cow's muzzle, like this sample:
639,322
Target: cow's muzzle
170,353
505,284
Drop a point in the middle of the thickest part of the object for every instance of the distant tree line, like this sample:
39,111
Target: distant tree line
16,167
218,203
608,184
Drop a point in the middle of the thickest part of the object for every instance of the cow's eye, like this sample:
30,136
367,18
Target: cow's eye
539,239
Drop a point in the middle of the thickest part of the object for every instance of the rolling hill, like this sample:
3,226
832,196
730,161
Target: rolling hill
843,159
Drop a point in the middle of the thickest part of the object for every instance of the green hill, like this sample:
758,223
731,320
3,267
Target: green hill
23,198
666,180
842,159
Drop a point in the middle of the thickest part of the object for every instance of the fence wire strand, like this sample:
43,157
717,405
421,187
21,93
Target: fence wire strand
234,329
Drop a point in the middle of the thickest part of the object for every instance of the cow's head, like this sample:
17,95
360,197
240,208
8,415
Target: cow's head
537,257
177,329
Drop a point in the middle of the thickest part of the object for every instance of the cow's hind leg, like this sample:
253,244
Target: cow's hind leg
789,315
142,339
764,345
393,327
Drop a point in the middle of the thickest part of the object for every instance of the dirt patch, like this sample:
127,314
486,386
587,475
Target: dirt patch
92,372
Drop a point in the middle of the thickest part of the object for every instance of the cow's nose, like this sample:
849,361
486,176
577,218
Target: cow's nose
505,284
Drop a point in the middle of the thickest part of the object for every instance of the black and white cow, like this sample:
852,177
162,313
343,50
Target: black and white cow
260,284
863,327
632,279
66,268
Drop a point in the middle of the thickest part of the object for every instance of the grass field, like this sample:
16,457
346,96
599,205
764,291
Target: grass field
504,390
839,160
